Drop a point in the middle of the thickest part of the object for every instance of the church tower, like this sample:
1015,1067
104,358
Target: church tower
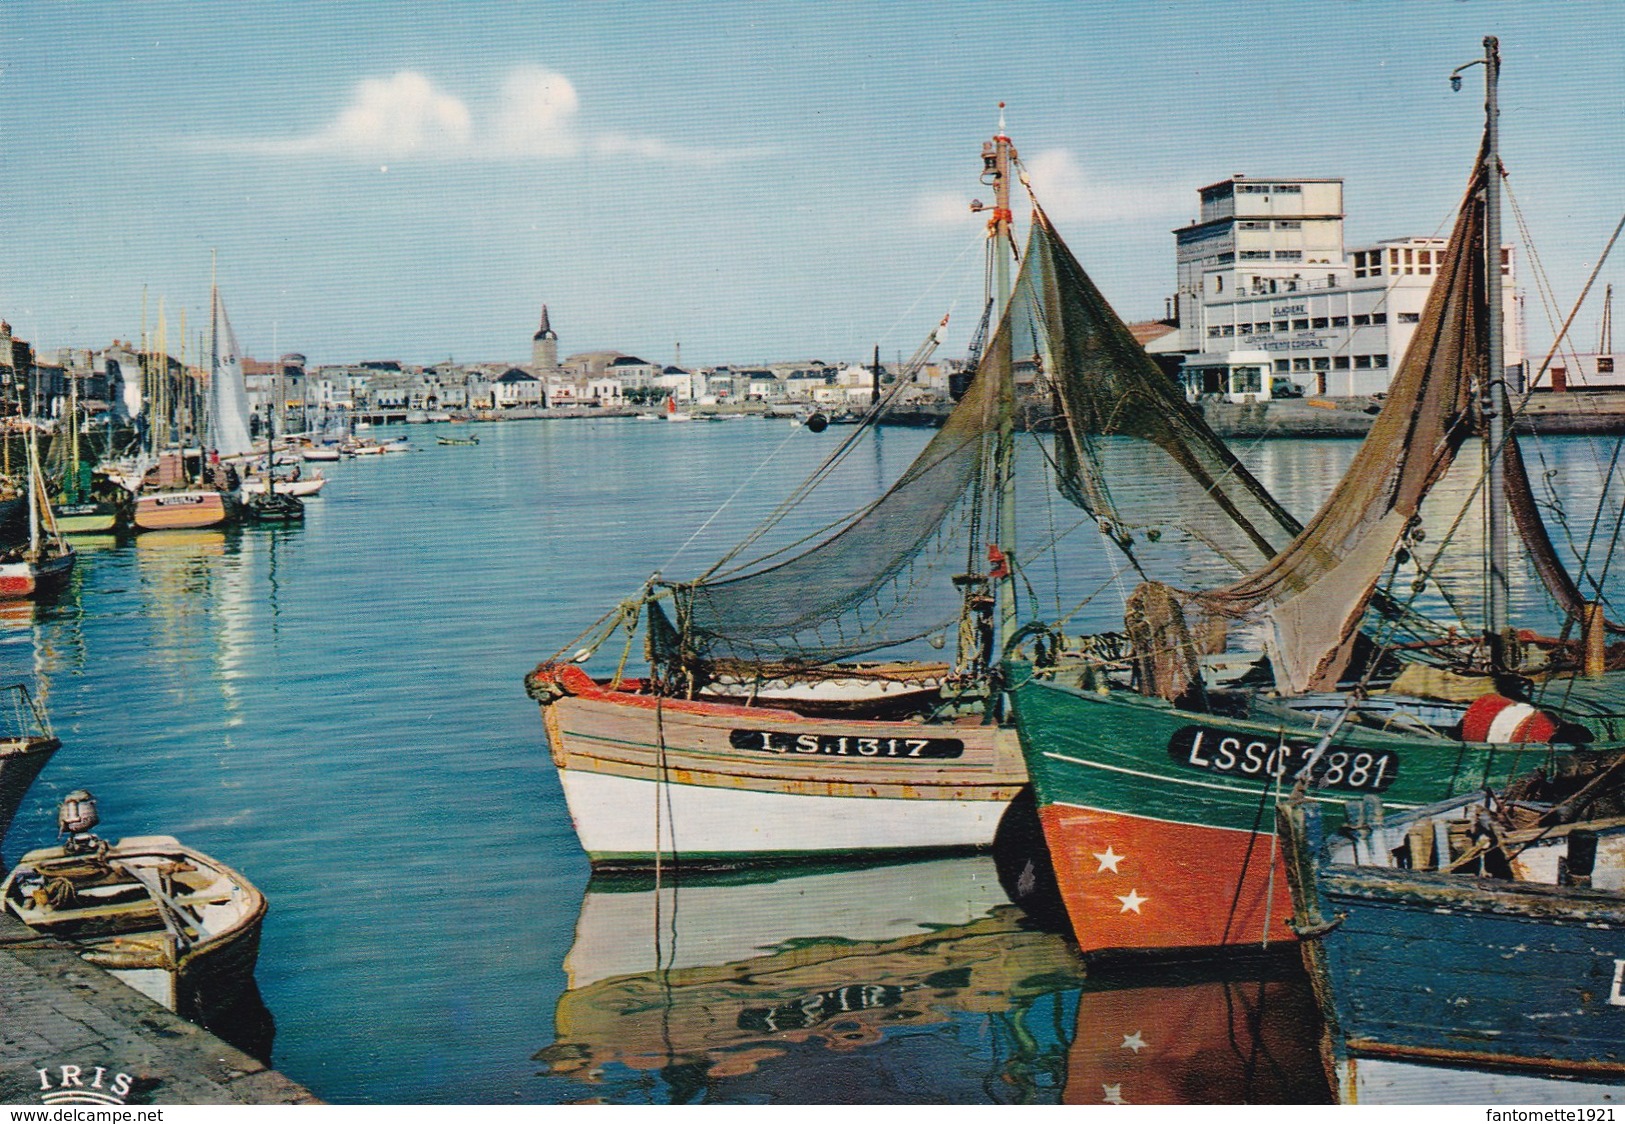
544,348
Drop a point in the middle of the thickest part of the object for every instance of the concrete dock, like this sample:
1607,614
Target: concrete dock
69,1019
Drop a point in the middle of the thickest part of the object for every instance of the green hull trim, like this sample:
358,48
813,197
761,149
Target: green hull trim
1124,753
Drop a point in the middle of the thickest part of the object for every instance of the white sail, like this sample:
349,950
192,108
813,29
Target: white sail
228,391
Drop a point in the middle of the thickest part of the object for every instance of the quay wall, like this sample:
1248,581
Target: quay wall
57,1011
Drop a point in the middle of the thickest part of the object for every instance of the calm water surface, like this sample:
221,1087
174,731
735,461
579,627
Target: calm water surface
337,710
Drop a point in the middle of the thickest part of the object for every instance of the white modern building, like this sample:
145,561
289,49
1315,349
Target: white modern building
1264,280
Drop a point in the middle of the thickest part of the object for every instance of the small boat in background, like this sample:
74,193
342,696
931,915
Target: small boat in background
322,453
458,440
168,500
42,566
178,926
285,485
672,414
278,507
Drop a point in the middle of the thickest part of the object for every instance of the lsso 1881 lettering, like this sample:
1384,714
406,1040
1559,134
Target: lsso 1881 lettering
1241,755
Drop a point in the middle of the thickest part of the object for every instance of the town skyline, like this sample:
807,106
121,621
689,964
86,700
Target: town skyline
755,183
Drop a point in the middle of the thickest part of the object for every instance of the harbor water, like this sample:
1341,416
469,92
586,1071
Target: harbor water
336,709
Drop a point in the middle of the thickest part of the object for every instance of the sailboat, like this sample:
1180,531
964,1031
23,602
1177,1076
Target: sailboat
1154,782
81,507
173,494
751,739
672,414
41,568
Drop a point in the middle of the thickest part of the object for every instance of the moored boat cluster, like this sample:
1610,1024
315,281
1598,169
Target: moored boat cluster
1129,782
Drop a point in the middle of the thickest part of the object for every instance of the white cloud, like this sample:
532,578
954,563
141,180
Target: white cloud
395,117
944,208
532,116
1070,194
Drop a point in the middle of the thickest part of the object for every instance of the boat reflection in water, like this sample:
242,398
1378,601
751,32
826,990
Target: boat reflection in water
1229,1031
907,983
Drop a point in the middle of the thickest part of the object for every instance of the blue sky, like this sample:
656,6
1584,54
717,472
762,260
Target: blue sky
755,180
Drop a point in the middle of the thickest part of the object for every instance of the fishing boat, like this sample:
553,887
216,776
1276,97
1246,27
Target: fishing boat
1487,930
26,744
42,566
752,738
181,492
458,440
83,501
178,926
1156,754
280,502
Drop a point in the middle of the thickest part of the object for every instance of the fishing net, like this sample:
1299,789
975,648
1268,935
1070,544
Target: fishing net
1315,592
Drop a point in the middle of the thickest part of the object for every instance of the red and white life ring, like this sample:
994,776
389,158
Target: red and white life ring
1500,720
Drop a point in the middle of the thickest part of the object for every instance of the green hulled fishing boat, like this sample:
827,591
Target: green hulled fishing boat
1157,756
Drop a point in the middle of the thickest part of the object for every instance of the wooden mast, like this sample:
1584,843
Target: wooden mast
997,156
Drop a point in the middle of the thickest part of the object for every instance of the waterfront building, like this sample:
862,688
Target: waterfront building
516,387
1269,300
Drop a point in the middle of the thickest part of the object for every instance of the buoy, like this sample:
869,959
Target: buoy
817,423
1500,720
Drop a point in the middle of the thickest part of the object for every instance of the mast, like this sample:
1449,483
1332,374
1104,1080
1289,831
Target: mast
33,492
1492,390
214,347
996,157
1495,377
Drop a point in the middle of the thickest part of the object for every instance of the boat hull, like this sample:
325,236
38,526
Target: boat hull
1438,967
86,518
164,511
721,784
1174,810
21,759
42,578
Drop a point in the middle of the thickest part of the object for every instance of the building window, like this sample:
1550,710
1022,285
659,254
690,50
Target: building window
1288,255
1218,284
1283,325
1253,224
1244,329
1225,258
1362,362
1255,255
1340,321
1213,332
1410,317
1340,362
1288,189
1282,366
1362,320
1379,318
1300,325
1322,363
1288,224
1226,330
1301,364
1318,322
1605,364
1379,360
